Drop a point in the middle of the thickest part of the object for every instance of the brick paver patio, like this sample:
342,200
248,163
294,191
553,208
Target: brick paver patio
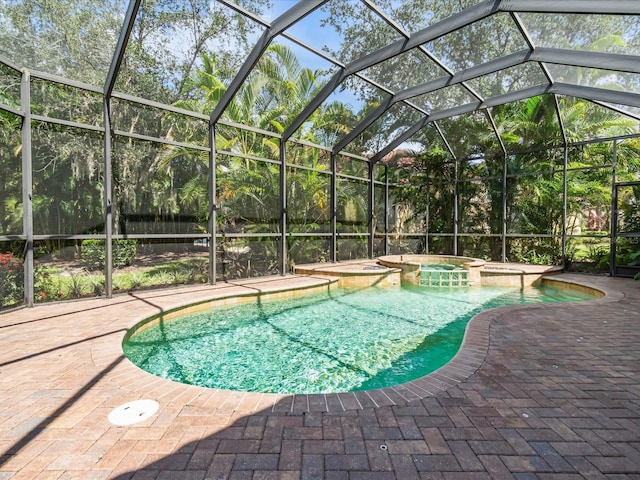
547,392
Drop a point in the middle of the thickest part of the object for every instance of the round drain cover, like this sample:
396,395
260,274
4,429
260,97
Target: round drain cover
133,412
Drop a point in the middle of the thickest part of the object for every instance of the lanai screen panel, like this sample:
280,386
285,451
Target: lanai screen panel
248,195
530,123
444,98
11,208
344,21
585,120
134,118
63,102
511,79
594,77
442,198
308,201
589,180
9,86
393,122
153,189
628,160
345,108
352,201
13,274
469,135
285,79
536,205
352,205
595,33
169,41
405,70
406,197
74,40
478,43
413,16
67,177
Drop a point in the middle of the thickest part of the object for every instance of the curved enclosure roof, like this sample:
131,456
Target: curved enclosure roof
396,74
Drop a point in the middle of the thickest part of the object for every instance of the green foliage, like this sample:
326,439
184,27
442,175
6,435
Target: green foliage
46,285
93,253
633,259
184,272
123,251
190,271
134,281
11,280
533,251
67,193
54,284
97,285
78,286
10,172
600,255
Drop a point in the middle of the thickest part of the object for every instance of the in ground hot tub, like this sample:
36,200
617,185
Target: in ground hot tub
436,270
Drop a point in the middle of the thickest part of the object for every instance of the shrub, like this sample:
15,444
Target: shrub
47,284
11,280
78,286
634,259
92,253
600,255
124,253
97,284
533,252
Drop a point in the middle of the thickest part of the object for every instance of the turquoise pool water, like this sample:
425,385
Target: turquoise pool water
339,341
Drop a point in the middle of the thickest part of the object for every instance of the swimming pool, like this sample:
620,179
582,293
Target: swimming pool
337,341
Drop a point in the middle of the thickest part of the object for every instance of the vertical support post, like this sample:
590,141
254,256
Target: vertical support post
283,209
503,215
564,205
108,200
613,221
213,207
114,68
370,218
386,210
455,209
426,215
333,251
27,188
564,182
504,209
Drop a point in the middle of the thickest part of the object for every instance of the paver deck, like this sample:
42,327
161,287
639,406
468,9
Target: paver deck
547,391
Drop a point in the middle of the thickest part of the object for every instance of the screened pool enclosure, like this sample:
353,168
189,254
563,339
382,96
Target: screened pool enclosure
161,142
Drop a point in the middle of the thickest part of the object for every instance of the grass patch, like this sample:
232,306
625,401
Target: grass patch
54,283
